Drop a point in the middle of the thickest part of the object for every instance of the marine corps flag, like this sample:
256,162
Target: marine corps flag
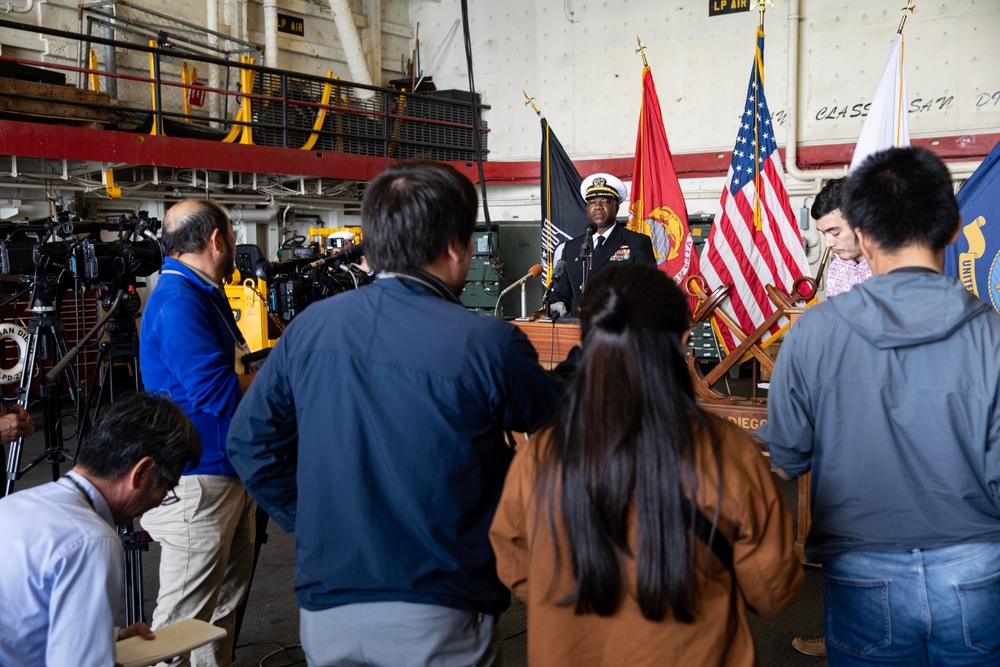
657,207
973,257
564,213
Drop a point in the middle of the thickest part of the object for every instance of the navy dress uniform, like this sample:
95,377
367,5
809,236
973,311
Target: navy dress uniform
613,243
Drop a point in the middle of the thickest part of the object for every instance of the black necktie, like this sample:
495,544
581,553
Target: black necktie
600,242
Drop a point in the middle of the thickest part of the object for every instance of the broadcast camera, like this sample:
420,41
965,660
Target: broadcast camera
295,283
48,252
135,253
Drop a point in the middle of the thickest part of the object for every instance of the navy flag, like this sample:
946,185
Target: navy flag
973,257
564,213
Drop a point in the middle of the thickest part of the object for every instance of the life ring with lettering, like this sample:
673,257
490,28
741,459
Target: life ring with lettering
19,335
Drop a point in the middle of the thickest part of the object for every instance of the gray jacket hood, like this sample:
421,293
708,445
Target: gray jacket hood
908,307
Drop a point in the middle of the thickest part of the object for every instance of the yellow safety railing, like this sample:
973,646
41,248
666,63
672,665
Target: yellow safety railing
92,79
321,116
152,88
396,123
187,76
241,124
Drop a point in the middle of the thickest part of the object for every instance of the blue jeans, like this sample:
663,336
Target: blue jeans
918,607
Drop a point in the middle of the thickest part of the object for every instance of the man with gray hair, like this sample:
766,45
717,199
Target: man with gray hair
61,562
189,348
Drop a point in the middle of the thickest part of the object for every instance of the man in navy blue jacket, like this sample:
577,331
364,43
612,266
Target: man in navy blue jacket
188,350
375,432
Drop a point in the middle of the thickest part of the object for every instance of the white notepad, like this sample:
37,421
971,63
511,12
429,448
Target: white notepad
171,640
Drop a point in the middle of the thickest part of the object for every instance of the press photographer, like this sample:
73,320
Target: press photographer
188,349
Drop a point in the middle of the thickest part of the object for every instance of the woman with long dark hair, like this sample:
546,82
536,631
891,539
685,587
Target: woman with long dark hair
638,528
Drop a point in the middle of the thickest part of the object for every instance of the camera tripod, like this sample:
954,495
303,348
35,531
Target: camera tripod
46,345
122,347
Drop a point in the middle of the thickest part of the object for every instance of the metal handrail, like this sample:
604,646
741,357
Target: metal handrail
391,119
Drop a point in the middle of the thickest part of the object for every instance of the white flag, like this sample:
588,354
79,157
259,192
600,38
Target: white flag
887,124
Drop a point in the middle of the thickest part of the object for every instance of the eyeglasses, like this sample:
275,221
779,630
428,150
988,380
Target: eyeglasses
170,498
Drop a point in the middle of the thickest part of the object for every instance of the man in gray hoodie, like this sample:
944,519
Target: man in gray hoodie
905,456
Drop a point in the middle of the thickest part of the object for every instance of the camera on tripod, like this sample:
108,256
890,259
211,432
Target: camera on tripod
50,251
309,276
135,253
30,247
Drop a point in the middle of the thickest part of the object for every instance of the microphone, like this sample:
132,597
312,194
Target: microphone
533,272
558,272
350,254
587,247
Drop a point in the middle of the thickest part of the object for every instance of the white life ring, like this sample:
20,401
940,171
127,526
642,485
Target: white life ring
18,334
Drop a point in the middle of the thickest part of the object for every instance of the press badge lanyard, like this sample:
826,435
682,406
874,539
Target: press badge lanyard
90,501
433,284
237,334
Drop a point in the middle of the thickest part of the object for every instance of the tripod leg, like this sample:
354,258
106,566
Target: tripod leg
84,426
23,392
133,544
261,537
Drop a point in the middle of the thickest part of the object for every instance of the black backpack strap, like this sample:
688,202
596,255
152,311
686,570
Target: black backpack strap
702,529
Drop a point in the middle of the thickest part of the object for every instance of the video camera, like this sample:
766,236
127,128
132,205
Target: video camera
50,253
295,283
54,245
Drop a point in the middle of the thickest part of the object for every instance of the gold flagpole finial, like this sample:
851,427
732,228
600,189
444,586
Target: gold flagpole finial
641,51
761,6
910,7
530,101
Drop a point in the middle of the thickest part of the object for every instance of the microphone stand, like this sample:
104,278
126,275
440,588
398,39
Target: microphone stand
524,304
587,255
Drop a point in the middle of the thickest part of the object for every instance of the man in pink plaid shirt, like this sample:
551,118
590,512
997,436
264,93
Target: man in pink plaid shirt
849,266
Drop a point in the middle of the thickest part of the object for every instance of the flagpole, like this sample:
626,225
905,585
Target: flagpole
530,101
910,7
761,6
641,51
547,221
902,48
639,176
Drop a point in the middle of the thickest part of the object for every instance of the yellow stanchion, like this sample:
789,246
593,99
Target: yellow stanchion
321,116
93,80
152,89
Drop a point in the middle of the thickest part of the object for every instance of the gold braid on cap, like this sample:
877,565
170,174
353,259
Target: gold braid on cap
600,188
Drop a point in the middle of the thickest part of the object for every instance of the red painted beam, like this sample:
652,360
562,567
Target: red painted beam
965,147
57,142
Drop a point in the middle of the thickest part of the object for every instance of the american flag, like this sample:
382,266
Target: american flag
755,240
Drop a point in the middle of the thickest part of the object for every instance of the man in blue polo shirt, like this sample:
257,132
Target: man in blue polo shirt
189,346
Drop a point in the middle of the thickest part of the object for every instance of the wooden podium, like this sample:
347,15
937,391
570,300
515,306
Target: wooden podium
554,340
